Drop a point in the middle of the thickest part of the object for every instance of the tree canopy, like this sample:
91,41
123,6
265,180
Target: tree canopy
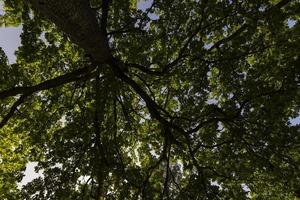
173,99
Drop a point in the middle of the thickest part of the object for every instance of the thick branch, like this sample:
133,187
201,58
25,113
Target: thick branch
229,38
77,19
105,9
279,5
145,69
55,82
151,104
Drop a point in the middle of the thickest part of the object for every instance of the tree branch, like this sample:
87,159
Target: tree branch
123,30
279,5
229,38
104,17
78,20
244,27
152,106
12,110
145,69
166,182
55,82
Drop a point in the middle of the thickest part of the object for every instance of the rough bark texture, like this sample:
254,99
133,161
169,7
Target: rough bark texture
77,19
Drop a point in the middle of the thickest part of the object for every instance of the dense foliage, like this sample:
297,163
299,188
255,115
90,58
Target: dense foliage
173,99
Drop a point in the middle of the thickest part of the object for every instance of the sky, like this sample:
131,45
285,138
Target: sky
10,41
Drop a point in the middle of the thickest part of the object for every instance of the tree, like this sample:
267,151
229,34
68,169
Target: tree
172,100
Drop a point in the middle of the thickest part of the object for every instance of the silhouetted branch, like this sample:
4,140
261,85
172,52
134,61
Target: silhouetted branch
55,82
244,27
152,106
124,30
12,110
166,182
104,16
145,69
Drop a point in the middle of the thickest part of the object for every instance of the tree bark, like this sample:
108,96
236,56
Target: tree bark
79,21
